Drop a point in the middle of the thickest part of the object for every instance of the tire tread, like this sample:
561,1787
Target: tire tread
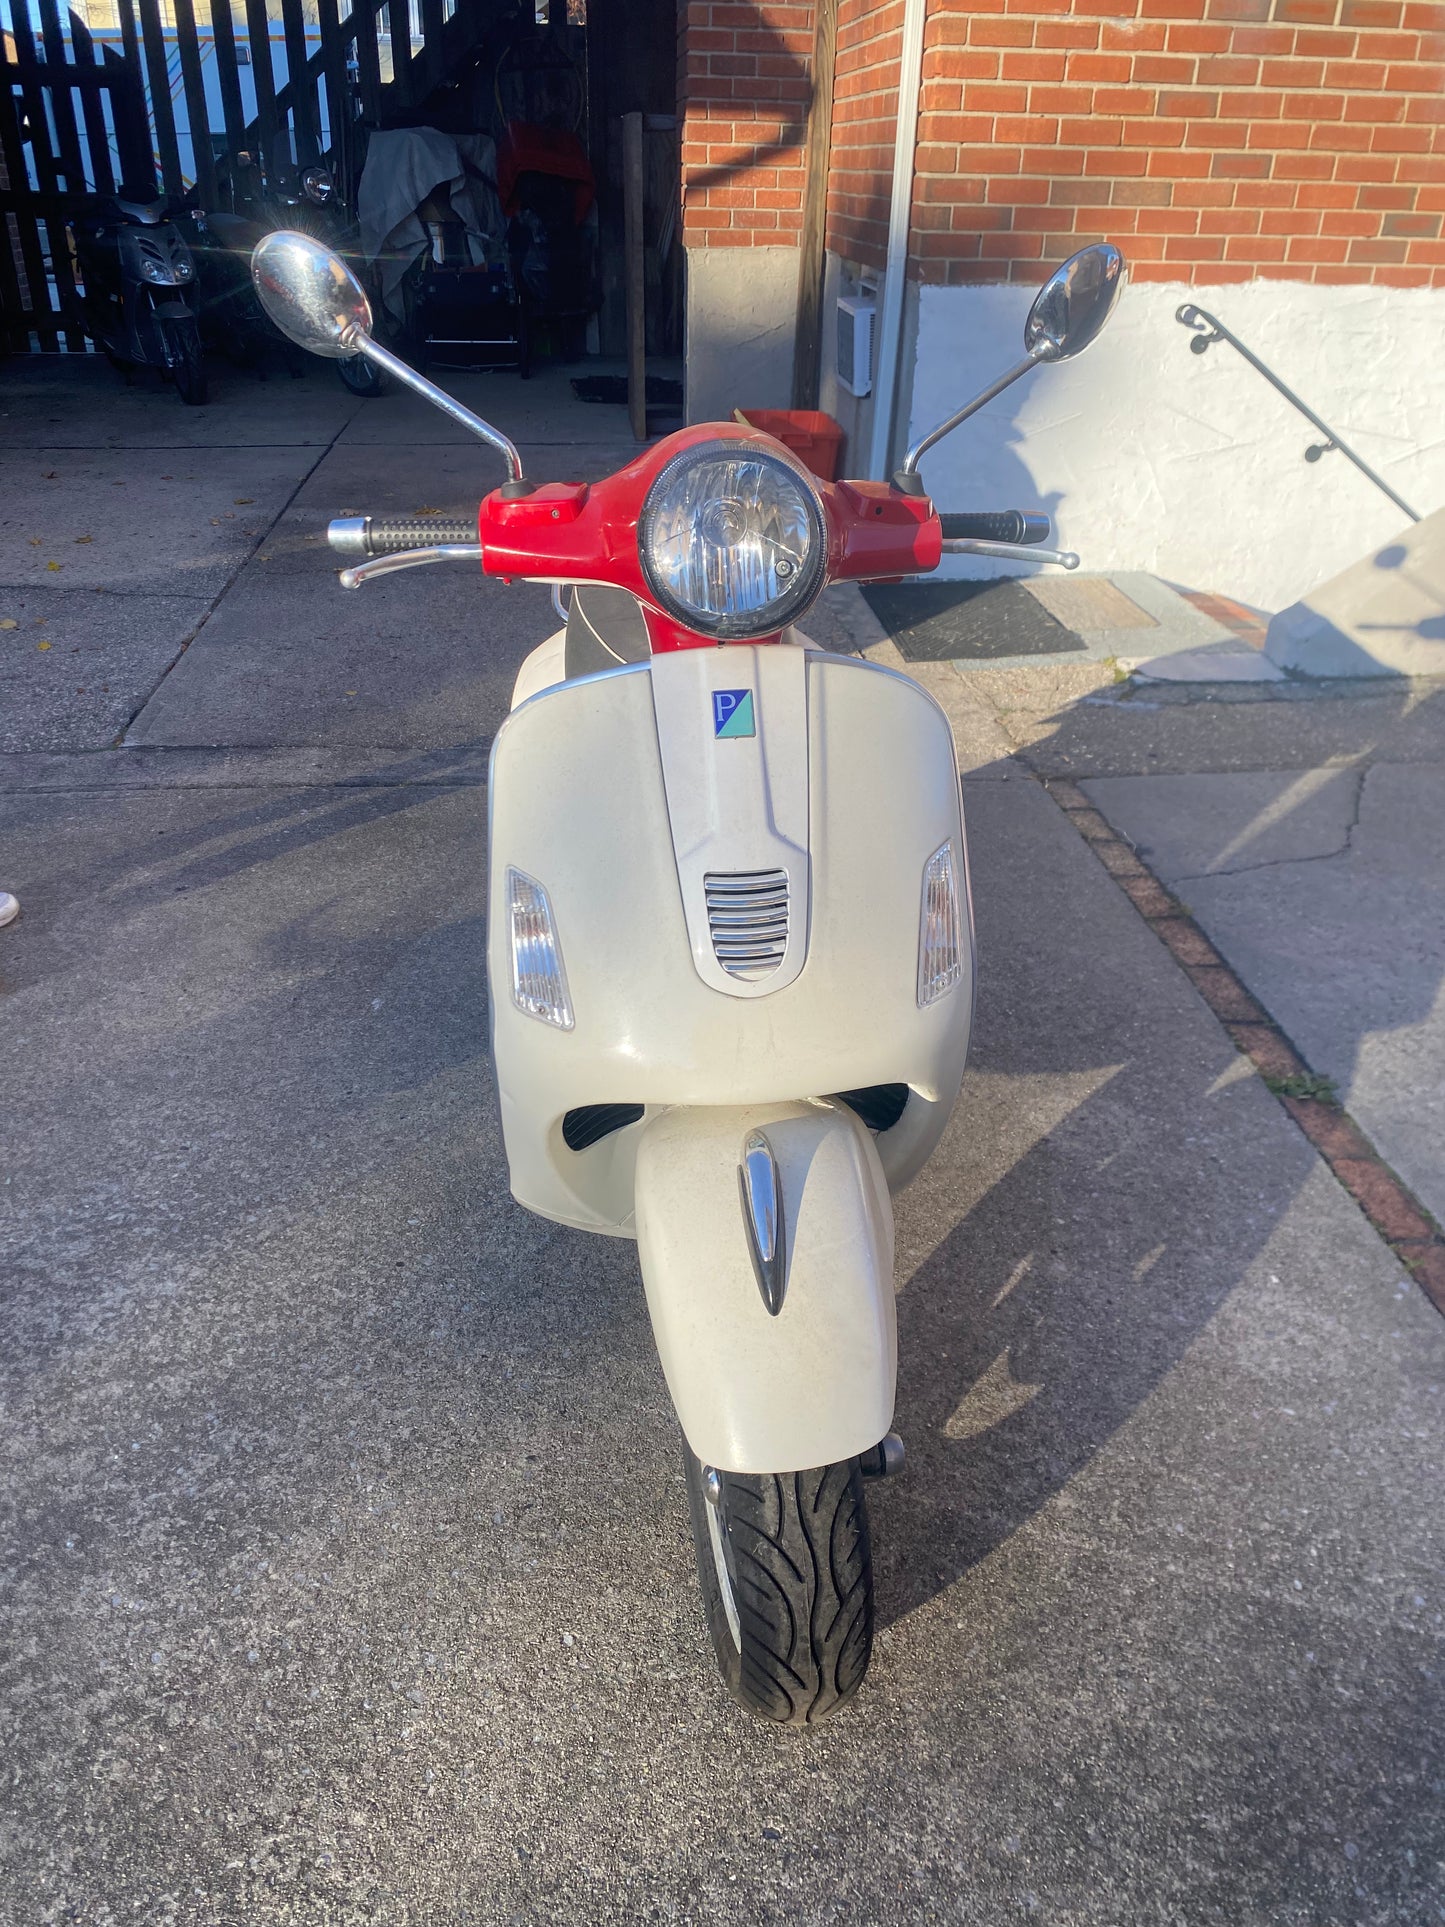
802,1585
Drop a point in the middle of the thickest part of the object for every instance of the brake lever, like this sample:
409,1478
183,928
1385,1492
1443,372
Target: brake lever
410,559
1010,552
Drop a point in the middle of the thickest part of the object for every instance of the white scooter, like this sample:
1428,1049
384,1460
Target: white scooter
731,946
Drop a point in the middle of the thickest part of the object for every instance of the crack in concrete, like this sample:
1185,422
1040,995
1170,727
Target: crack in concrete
215,602
1289,862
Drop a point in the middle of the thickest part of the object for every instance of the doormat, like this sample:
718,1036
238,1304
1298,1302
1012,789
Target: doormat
660,389
968,621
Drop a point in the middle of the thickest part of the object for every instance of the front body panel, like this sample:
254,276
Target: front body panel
599,793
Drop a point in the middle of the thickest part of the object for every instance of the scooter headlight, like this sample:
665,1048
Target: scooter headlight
940,928
317,185
539,981
732,539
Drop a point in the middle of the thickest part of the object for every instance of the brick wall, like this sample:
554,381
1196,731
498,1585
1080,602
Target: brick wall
743,90
1215,140
865,117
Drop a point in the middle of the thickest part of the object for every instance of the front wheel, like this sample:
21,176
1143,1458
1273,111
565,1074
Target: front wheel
787,1585
361,376
186,361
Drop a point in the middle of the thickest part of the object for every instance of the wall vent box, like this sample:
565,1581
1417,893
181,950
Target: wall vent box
855,343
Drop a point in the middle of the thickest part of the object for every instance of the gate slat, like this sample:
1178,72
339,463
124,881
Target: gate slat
25,232
223,29
134,152
203,160
398,14
97,135
52,235
338,103
137,150
368,60
258,30
159,88
300,86
62,107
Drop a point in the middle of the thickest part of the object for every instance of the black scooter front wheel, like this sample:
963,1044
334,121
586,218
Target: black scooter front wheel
361,376
186,360
786,1572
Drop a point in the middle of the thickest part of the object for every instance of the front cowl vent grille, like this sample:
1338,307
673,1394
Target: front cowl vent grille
747,916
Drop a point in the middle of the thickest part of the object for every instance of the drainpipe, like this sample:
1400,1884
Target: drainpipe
890,326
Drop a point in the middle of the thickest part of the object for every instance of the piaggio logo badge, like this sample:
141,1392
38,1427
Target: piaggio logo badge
732,712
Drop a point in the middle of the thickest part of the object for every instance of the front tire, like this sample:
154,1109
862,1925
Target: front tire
786,1572
186,361
361,376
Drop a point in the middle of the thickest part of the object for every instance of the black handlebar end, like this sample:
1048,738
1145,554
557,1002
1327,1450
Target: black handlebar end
995,525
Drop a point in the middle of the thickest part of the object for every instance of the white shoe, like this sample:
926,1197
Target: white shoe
9,908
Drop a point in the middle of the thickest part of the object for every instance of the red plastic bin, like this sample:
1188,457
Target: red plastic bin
813,436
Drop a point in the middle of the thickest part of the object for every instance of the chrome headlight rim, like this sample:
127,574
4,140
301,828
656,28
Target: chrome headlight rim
747,625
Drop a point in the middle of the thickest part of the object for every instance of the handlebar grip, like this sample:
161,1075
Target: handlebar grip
359,535
995,525
391,538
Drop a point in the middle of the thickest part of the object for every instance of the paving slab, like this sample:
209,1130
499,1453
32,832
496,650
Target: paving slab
1323,890
1049,624
1383,615
80,402
1216,662
95,520
79,663
1104,731
542,411
348,1575
1188,827
424,658
127,767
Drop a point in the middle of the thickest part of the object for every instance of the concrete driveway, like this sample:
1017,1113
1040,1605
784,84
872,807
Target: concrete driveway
346,1568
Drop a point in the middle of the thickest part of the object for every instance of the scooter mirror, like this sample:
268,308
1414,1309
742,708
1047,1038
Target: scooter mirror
1069,310
310,294
1074,303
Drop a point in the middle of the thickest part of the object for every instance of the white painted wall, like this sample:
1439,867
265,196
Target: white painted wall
1191,466
742,306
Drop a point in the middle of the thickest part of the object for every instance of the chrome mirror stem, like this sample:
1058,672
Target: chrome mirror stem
920,449
362,344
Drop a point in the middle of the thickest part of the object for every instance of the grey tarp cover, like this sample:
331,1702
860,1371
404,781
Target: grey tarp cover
404,166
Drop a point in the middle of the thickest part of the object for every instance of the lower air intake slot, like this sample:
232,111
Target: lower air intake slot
590,1123
747,918
879,1105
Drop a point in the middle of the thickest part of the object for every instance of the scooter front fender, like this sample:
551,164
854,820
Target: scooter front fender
757,1390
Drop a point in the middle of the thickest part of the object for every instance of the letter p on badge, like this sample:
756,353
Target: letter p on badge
732,712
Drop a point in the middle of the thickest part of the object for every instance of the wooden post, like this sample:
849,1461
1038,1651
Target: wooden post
636,280
808,337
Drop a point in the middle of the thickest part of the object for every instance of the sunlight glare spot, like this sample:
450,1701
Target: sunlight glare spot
1020,1270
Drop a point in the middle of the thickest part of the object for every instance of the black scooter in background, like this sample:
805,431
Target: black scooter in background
232,318
137,290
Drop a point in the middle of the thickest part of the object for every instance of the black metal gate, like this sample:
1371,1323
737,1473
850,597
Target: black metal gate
173,96
71,118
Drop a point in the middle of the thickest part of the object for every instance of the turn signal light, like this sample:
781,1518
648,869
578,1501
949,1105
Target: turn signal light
539,981
940,928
